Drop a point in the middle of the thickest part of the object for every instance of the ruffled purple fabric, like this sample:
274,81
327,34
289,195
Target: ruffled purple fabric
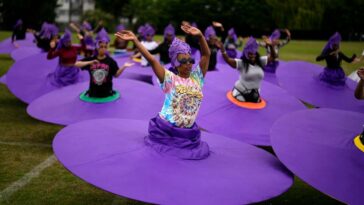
177,47
183,143
333,76
271,66
64,75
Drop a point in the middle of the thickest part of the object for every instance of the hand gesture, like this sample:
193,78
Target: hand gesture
126,35
267,40
94,62
190,30
217,24
127,64
360,73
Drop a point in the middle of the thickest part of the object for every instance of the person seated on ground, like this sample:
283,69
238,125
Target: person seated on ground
162,49
333,73
277,45
232,43
48,33
174,131
66,73
19,32
148,43
102,68
250,66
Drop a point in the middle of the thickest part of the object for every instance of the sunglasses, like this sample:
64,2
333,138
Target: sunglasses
186,60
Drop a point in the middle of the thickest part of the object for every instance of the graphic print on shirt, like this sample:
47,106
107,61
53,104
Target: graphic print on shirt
99,73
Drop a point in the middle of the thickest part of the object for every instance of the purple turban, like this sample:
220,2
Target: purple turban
232,34
86,26
275,35
194,24
66,38
169,30
48,30
209,32
177,47
89,42
334,39
102,36
120,27
251,46
148,30
18,23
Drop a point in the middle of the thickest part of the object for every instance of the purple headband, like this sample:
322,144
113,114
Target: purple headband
120,27
87,26
169,30
251,46
177,47
334,39
148,30
209,32
65,39
232,34
275,35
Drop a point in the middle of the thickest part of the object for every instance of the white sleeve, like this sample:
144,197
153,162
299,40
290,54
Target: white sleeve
264,60
239,63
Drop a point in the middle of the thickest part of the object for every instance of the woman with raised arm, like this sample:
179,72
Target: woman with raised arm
250,66
174,131
333,73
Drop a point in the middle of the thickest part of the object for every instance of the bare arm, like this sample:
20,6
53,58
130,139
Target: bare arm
74,27
230,61
157,67
81,64
121,70
205,50
359,91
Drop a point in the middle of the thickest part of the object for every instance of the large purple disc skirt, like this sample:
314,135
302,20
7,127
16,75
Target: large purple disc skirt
271,67
333,76
184,143
64,75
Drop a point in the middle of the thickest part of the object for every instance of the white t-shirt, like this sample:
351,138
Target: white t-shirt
251,77
149,45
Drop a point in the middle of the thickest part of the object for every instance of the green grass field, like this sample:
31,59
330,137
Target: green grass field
26,142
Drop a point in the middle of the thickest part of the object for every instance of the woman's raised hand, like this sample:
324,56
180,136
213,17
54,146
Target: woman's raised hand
190,30
126,35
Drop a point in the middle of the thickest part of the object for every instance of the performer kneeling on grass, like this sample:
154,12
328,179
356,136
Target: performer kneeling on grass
250,66
174,131
102,68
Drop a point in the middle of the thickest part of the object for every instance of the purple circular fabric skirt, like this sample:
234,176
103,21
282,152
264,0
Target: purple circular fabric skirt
111,154
301,79
63,106
29,78
317,145
24,52
220,116
6,47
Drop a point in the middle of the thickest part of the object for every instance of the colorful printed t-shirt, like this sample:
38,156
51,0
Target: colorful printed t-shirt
183,98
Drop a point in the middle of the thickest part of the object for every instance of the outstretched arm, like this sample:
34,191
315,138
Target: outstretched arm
81,64
205,51
273,55
230,61
121,70
157,67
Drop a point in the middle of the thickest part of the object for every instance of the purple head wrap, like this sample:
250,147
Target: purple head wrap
66,38
334,39
209,32
275,35
169,30
18,23
194,24
148,30
86,26
48,30
177,47
232,34
120,27
251,46
141,30
89,42
102,36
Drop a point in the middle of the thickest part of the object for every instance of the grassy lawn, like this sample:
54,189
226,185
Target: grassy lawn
55,185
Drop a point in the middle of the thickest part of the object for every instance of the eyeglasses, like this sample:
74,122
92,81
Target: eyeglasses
186,60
